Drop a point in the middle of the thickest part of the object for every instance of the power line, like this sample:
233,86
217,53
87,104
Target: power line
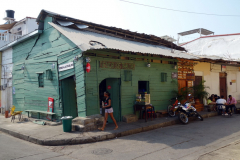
175,10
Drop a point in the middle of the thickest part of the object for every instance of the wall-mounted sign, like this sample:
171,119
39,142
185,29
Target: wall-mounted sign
65,66
174,75
116,65
223,68
88,67
190,76
234,81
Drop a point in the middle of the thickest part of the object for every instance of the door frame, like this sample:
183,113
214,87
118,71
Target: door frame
225,76
120,107
62,96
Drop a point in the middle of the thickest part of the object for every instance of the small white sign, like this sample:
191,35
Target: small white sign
65,66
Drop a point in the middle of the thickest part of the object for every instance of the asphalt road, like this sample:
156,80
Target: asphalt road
216,138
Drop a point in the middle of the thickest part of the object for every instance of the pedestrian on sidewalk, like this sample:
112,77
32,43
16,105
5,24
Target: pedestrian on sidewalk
108,110
231,103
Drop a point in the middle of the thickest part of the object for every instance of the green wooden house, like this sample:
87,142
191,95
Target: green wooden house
51,62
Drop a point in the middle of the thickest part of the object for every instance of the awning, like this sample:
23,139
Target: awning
7,26
199,30
87,40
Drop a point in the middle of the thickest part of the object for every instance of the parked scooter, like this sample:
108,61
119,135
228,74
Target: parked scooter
184,111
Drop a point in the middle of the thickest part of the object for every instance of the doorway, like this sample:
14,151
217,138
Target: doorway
198,80
69,101
112,85
182,84
223,86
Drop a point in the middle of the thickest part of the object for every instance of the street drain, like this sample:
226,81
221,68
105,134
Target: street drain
101,151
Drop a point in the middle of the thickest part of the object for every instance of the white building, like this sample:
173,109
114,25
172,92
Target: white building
222,78
11,31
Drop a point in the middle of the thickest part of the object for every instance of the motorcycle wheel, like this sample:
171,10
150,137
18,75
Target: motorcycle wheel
170,111
183,117
199,116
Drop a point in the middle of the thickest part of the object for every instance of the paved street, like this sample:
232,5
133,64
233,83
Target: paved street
215,138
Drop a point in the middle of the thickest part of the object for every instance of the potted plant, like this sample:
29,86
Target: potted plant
199,92
182,93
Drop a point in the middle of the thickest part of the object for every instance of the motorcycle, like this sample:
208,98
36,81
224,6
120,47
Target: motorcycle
184,111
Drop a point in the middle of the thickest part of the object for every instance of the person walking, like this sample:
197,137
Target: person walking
107,104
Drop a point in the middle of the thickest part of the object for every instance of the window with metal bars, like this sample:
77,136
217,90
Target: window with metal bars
40,80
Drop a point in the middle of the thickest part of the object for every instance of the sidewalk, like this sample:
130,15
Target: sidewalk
54,135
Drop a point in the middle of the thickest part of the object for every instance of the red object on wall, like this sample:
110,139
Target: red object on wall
50,106
88,67
109,87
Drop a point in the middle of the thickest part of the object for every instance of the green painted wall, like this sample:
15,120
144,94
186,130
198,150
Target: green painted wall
37,55
80,88
160,92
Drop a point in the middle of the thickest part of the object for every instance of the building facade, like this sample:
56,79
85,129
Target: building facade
11,32
220,65
53,64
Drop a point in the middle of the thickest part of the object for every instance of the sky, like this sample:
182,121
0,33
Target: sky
139,18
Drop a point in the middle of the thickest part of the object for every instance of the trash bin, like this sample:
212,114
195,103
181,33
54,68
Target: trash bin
67,123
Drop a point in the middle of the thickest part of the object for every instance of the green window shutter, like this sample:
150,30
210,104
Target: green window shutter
49,74
128,75
40,80
163,77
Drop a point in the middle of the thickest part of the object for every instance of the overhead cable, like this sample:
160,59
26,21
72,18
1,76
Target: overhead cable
175,10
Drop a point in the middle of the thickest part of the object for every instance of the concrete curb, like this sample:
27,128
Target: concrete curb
90,139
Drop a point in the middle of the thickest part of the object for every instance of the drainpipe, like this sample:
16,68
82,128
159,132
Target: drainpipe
1,83
4,77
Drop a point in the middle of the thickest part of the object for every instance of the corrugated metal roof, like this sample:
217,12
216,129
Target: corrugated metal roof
107,30
87,40
225,47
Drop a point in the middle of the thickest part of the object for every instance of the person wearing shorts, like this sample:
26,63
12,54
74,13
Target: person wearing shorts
108,111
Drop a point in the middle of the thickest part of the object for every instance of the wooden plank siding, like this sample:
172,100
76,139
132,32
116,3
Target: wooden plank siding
38,54
160,92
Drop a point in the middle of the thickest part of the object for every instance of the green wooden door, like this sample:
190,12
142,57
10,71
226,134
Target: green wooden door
69,97
114,90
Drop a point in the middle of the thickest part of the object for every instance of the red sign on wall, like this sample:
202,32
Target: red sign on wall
88,67
109,87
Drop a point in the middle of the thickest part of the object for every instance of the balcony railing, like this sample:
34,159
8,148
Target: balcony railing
7,37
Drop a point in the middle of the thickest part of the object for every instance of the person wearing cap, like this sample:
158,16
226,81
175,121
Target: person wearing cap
231,103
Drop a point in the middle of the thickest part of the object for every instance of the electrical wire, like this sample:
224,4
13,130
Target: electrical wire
175,10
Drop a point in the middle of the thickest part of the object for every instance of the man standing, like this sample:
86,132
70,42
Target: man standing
231,103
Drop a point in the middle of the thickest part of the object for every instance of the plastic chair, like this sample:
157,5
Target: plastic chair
13,114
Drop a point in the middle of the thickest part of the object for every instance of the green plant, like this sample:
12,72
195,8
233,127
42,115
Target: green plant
199,91
182,93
